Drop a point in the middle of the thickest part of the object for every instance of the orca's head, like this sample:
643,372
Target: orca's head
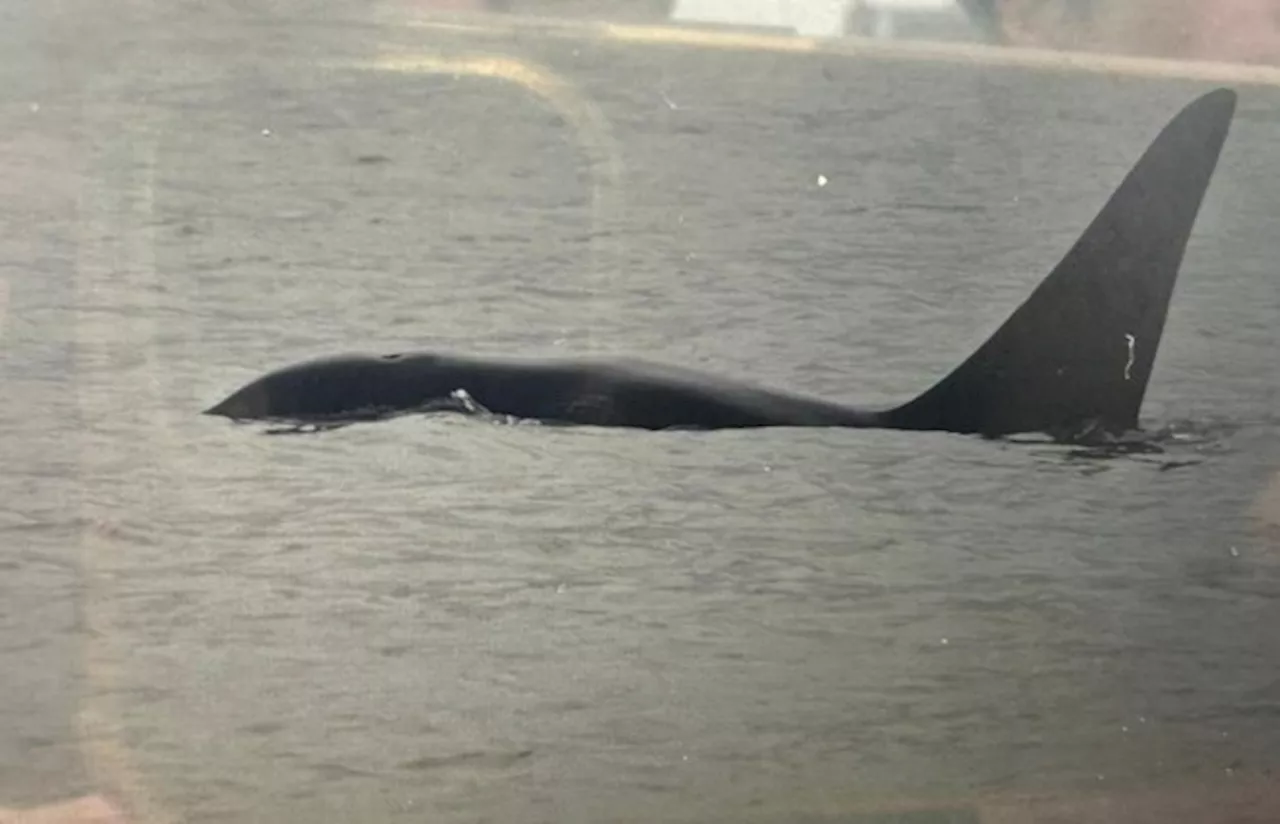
341,386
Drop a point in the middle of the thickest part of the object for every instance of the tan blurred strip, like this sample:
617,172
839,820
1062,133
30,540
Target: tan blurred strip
1161,33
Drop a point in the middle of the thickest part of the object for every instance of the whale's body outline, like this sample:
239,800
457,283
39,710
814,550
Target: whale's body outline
1076,356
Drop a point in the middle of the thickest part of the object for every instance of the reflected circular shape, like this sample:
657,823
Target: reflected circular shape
120,306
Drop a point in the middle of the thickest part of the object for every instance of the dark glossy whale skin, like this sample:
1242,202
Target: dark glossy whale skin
624,394
1076,356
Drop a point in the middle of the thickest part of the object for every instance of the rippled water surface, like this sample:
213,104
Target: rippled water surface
449,620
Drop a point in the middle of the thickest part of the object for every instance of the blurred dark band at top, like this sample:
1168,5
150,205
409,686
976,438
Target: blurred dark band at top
1238,31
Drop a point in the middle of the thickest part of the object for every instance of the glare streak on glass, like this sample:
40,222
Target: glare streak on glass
116,286
590,125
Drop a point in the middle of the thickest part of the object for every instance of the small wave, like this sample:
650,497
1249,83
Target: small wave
489,760
1176,445
457,402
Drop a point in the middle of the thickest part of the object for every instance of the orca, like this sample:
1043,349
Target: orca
1074,358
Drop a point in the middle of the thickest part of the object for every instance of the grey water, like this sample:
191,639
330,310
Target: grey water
444,619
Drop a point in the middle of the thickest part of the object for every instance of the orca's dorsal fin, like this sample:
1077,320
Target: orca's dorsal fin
1079,351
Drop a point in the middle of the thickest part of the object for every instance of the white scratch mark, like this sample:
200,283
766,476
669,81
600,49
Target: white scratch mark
1131,340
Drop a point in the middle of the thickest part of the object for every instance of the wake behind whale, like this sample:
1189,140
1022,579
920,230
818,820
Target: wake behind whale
1074,359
